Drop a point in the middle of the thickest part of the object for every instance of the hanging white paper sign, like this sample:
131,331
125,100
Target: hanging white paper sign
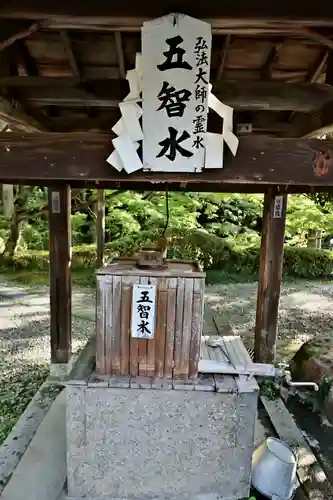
176,52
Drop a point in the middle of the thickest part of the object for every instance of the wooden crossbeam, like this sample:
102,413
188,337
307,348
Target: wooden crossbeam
81,158
242,94
101,12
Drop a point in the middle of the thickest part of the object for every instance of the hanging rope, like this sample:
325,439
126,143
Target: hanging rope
167,211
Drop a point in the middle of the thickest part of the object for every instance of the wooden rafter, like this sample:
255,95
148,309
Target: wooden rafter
266,70
81,158
120,54
70,54
315,72
318,67
224,55
106,93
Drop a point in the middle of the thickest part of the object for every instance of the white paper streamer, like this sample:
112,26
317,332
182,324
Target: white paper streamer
129,131
127,152
133,82
129,114
214,150
225,112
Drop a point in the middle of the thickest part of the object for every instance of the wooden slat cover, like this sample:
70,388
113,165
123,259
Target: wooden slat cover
116,331
213,360
175,268
100,330
174,350
197,323
187,328
161,320
179,326
170,328
126,306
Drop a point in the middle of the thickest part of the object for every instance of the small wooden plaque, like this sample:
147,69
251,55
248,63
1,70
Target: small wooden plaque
151,258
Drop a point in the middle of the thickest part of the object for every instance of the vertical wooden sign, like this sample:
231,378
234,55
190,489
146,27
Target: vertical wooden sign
143,311
278,207
176,52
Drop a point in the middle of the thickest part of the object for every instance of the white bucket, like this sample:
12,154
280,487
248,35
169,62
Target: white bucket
274,470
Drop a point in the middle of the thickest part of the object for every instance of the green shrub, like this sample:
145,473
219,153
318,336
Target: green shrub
308,262
215,254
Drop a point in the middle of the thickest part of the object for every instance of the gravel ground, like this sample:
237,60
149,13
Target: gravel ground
24,347
305,310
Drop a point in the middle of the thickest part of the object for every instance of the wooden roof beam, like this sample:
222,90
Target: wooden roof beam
266,70
66,41
242,94
224,56
81,157
131,11
16,118
120,54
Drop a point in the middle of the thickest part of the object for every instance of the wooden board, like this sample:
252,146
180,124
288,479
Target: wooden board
196,326
186,328
221,367
241,95
179,326
133,14
126,304
100,331
260,161
170,328
309,472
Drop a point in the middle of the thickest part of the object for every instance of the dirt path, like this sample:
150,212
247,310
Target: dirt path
306,310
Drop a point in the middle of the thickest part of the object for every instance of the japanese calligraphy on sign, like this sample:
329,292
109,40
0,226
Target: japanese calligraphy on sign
278,206
176,52
143,311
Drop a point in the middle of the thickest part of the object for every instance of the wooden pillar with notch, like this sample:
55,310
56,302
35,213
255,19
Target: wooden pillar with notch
270,274
60,273
100,227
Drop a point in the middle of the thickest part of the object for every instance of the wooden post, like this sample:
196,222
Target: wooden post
100,227
60,273
270,273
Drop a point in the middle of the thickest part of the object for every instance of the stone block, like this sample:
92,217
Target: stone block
147,444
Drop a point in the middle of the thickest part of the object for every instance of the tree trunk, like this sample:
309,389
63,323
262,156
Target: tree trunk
19,214
13,238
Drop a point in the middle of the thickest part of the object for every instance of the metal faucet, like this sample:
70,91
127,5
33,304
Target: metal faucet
283,372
